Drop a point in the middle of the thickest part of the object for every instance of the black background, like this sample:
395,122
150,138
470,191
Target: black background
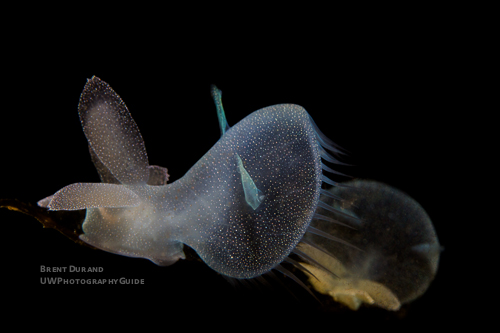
386,99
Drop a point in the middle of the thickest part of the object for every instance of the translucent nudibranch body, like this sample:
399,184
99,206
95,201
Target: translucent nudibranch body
243,207
400,254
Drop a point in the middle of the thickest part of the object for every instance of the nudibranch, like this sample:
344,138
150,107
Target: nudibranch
243,207
400,253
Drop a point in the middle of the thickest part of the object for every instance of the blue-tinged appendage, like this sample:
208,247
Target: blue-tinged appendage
216,95
253,195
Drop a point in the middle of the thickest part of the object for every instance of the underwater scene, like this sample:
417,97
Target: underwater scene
189,196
